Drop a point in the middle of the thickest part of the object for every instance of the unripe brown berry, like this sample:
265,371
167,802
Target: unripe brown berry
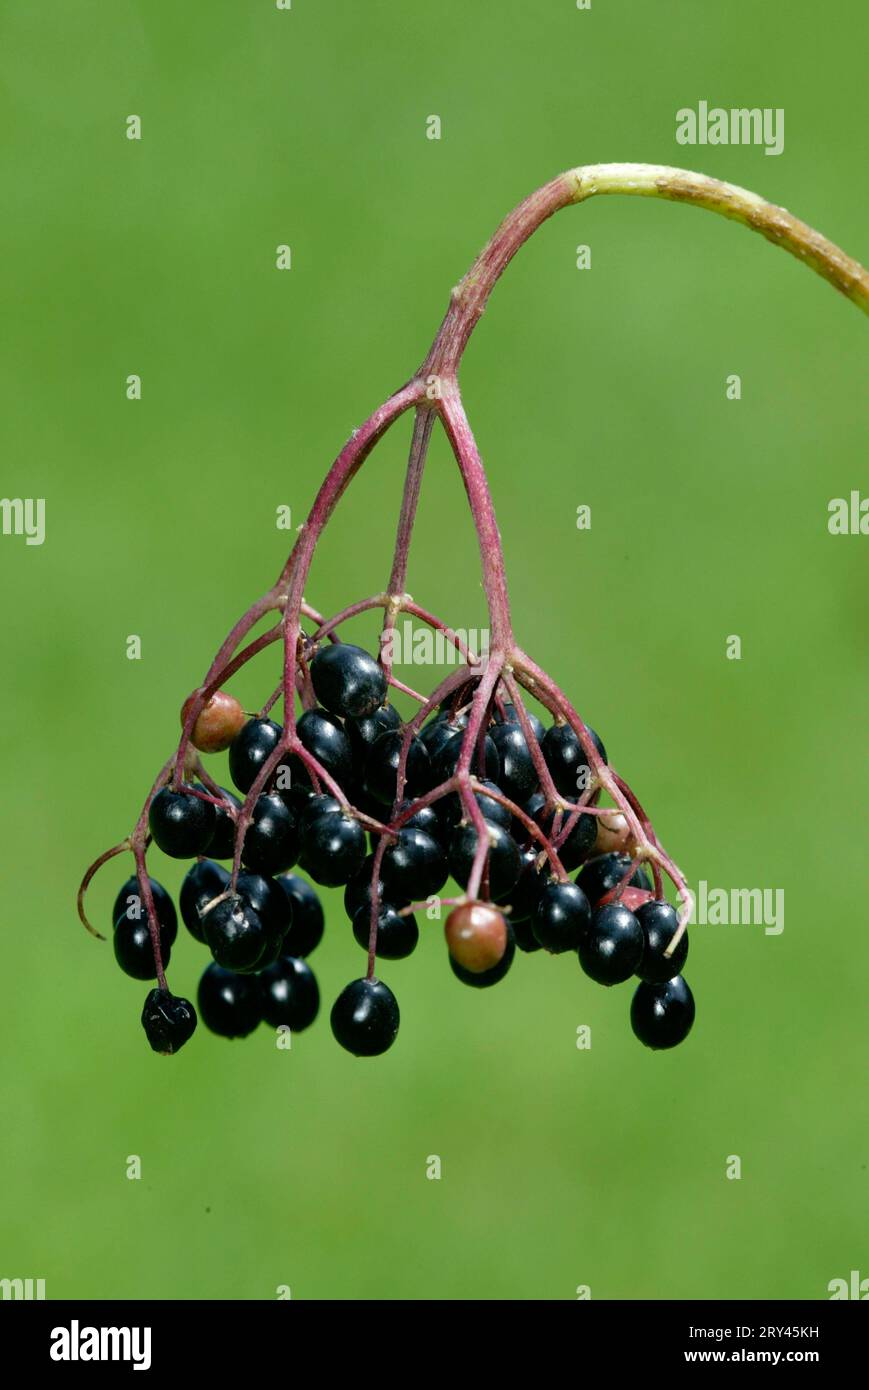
217,723
476,936
613,833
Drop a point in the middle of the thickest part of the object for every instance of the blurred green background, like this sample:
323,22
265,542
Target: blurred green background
607,387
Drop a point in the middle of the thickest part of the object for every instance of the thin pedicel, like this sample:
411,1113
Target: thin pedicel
474,698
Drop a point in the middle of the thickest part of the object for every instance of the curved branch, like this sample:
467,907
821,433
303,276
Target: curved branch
646,181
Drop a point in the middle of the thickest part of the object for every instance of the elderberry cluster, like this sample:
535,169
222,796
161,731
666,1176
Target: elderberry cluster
261,929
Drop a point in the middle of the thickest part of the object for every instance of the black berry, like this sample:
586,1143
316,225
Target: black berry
268,900
333,848
518,774
290,996
381,767
523,934
203,882
424,818
445,760
168,1021
561,917
358,891
438,732
234,933
134,951
365,1018
525,893
129,903
181,824
347,680
578,843
451,810
229,1004
223,840
566,759
610,949
511,716
658,922
662,1015
250,749
503,862
397,936
316,805
603,873
322,734
414,867
363,732
306,929
271,844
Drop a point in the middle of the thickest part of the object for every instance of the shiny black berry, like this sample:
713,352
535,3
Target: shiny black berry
397,936
438,732
296,792
250,749
518,776
322,734
523,934
223,840
229,1004
168,1021
424,818
274,910
181,824
306,929
445,761
234,933
271,844
381,767
414,867
129,904
511,716
503,862
484,978
203,882
347,680
610,949
662,1015
525,893
601,875
358,891
450,809
363,732
561,917
316,805
576,847
133,949
658,922
566,760
290,996
365,1018
333,848
268,900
